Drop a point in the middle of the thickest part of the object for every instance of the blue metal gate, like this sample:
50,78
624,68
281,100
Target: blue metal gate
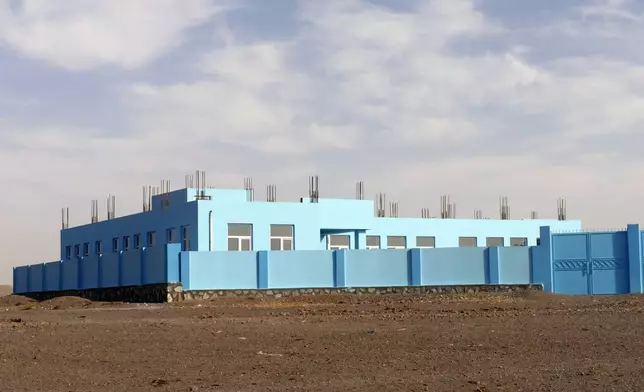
590,263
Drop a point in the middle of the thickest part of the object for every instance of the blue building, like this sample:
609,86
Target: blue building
229,220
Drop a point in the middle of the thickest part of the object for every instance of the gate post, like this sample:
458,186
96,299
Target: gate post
634,241
542,269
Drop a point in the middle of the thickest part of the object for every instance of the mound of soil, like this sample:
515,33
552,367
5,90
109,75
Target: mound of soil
66,303
5,290
15,300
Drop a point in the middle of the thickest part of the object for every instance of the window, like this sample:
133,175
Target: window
494,241
373,242
77,250
425,242
171,236
335,242
281,237
115,244
86,249
98,247
68,252
152,238
185,238
396,242
538,241
467,241
240,236
126,242
518,241
137,241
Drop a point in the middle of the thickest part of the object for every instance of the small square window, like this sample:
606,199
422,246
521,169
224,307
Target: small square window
68,252
467,242
126,243
86,249
373,242
137,241
425,242
152,238
518,241
491,242
171,236
98,247
115,244
77,250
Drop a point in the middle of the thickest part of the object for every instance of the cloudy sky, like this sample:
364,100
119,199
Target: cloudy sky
476,98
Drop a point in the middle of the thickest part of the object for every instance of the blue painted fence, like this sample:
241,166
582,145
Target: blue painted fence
132,268
354,268
567,263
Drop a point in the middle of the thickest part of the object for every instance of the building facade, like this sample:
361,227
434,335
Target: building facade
220,220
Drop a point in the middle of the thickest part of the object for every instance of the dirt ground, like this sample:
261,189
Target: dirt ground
530,342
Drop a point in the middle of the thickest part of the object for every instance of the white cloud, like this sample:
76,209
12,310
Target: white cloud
83,34
360,92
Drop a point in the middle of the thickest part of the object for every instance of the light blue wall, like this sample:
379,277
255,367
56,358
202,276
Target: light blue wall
448,231
352,217
301,269
221,270
454,266
377,268
354,268
180,213
512,265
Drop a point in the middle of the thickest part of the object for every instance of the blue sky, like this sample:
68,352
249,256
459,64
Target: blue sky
476,98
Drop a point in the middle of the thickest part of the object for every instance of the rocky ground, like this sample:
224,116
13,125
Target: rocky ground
530,342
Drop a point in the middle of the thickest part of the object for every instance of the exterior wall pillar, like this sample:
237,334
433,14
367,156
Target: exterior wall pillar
339,271
542,269
634,238
493,259
262,269
416,267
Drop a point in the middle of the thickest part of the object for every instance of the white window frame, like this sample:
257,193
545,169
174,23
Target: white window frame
373,246
460,239
423,246
185,238
282,239
396,246
523,239
240,238
337,247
